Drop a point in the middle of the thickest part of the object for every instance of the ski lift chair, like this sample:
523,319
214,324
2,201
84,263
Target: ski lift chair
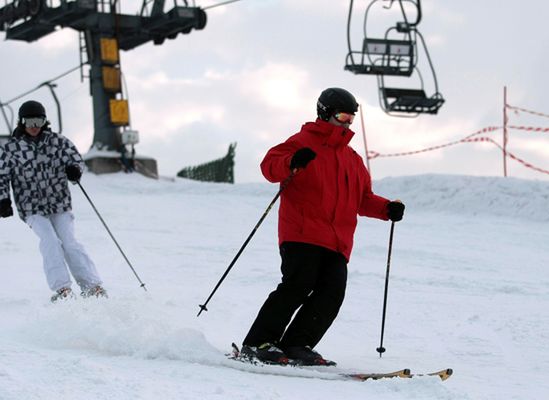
411,101
391,57
382,57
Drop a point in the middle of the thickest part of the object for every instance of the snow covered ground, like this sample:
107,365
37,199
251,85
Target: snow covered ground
469,290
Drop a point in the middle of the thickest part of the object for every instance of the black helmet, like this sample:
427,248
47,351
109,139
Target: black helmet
332,100
31,108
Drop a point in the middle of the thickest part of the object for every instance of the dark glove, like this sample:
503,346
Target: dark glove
73,173
395,210
5,208
301,158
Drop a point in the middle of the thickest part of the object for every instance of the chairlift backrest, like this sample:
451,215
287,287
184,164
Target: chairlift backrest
388,47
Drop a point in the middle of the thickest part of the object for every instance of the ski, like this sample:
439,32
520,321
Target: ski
443,374
403,373
325,372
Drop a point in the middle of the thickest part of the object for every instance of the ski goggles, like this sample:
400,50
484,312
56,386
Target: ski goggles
34,122
344,118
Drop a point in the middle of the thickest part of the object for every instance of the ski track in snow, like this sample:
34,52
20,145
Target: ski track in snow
469,289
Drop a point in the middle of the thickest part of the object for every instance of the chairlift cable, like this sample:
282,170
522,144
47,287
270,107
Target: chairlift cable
220,4
44,83
69,94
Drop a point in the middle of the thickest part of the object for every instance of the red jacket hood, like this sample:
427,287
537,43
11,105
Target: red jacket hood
333,135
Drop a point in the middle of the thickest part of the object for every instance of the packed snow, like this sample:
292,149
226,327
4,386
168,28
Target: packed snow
469,289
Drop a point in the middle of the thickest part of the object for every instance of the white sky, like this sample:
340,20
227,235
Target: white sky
254,73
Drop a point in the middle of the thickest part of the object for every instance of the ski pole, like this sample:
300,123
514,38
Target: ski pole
112,237
381,349
282,187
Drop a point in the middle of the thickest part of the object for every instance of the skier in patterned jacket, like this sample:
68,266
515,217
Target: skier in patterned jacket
39,163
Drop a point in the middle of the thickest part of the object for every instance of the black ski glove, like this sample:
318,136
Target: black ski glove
73,173
395,210
301,158
5,208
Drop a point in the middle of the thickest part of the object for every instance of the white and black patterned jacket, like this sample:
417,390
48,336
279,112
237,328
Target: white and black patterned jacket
36,171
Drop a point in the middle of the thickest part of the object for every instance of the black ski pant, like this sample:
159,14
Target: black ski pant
313,278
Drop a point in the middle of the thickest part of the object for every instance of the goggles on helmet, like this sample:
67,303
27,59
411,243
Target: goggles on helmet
344,118
34,122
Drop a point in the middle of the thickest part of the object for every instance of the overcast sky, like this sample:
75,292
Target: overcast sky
254,73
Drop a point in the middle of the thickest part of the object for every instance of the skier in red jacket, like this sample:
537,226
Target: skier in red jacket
329,187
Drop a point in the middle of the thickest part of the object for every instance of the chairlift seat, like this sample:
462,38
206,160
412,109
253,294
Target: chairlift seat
364,69
382,57
411,101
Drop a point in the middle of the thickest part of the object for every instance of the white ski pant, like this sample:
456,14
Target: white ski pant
60,249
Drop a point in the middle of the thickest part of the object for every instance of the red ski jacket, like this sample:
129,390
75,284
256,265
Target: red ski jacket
321,203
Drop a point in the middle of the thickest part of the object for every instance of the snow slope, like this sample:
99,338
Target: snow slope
469,290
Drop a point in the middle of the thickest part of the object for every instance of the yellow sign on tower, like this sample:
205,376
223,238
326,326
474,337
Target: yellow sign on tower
111,79
120,114
109,50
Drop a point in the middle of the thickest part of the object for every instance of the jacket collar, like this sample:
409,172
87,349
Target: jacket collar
332,135
36,140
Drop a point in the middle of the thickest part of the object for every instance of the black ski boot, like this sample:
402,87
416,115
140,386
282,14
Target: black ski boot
266,353
304,355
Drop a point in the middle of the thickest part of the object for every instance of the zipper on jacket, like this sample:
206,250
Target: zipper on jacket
334,212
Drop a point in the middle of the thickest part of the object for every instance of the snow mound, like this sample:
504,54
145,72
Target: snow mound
470,195
133,326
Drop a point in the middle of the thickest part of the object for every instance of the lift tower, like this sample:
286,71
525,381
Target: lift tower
103,32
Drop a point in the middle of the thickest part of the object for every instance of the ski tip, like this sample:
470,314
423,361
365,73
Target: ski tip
403,373
447,373
443,374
